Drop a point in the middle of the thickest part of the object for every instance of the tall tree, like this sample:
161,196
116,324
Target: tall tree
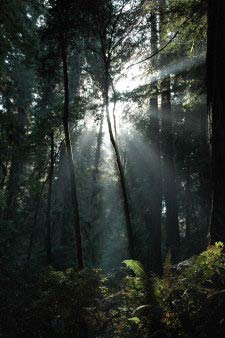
74,199
62,28
169,173
118,21
216,111
49,202
155,194
16,103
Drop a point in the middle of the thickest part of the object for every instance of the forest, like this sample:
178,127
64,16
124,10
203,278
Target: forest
112,168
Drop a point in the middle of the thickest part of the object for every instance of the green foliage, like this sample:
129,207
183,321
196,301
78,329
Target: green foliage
185,300
136,267
50,303
70,303
136,320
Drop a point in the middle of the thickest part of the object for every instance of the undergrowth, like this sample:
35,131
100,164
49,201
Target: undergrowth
188,301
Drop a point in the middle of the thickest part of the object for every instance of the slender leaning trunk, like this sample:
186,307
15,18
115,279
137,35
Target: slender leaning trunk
216,110
76,216
126,207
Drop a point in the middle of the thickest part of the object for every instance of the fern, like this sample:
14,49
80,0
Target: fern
136,267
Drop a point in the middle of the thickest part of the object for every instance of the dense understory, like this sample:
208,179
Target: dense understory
187,301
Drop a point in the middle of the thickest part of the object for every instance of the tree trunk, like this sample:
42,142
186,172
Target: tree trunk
187,204
155,256
204,169
126,206
37,207
216,111
94,198
97,157
13,186
154,229
76,216
17,166
114,121
34,226
49,203
63,191
169,174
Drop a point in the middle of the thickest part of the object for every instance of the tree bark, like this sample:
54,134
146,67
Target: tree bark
216,111
154,221
13,186
76,216
94,198
97,157
169,174
187,204
49,203
204,169
34,226
126,206
17,166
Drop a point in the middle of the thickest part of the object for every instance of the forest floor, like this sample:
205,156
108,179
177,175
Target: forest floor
187,301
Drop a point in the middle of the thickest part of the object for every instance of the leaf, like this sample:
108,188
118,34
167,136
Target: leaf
142,308
135,320
136,267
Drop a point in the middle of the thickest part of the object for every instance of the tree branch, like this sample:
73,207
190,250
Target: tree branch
166,45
